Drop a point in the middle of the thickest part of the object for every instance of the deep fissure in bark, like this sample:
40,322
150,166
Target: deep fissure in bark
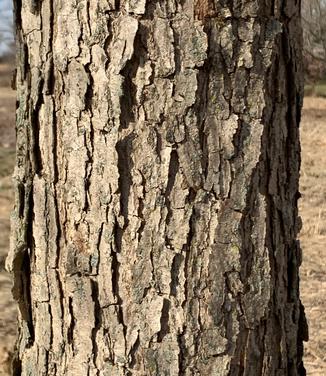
70,333
97,315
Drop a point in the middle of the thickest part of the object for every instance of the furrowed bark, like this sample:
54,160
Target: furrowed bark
155,223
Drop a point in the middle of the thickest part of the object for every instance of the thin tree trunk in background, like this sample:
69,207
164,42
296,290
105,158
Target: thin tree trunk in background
155,221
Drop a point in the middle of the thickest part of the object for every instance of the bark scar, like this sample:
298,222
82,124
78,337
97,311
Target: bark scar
35,6
204,9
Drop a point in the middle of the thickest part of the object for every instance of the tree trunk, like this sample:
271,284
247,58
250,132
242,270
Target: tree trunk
155,221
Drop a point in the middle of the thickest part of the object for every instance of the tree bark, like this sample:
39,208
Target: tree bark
155,222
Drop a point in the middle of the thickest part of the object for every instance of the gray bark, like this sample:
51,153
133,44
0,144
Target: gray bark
155,223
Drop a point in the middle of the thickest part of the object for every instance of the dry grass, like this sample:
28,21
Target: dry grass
312,208
313,234
8,320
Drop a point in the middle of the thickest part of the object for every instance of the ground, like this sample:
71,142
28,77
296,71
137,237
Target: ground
7,157
313,234
312,210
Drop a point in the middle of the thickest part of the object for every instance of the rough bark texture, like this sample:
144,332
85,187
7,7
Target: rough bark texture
155,223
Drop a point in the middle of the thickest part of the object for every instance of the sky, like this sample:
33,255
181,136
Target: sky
5,24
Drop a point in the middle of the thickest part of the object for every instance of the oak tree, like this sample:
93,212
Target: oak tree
155,222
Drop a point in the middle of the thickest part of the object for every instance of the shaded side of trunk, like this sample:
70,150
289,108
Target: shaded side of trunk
155,222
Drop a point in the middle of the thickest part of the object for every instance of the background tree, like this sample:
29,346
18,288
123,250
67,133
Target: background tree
155,223
314,33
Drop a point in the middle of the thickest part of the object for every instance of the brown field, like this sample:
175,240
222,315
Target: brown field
313,234
312,208
7,157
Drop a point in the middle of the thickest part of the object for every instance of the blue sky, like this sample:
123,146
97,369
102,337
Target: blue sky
5,23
